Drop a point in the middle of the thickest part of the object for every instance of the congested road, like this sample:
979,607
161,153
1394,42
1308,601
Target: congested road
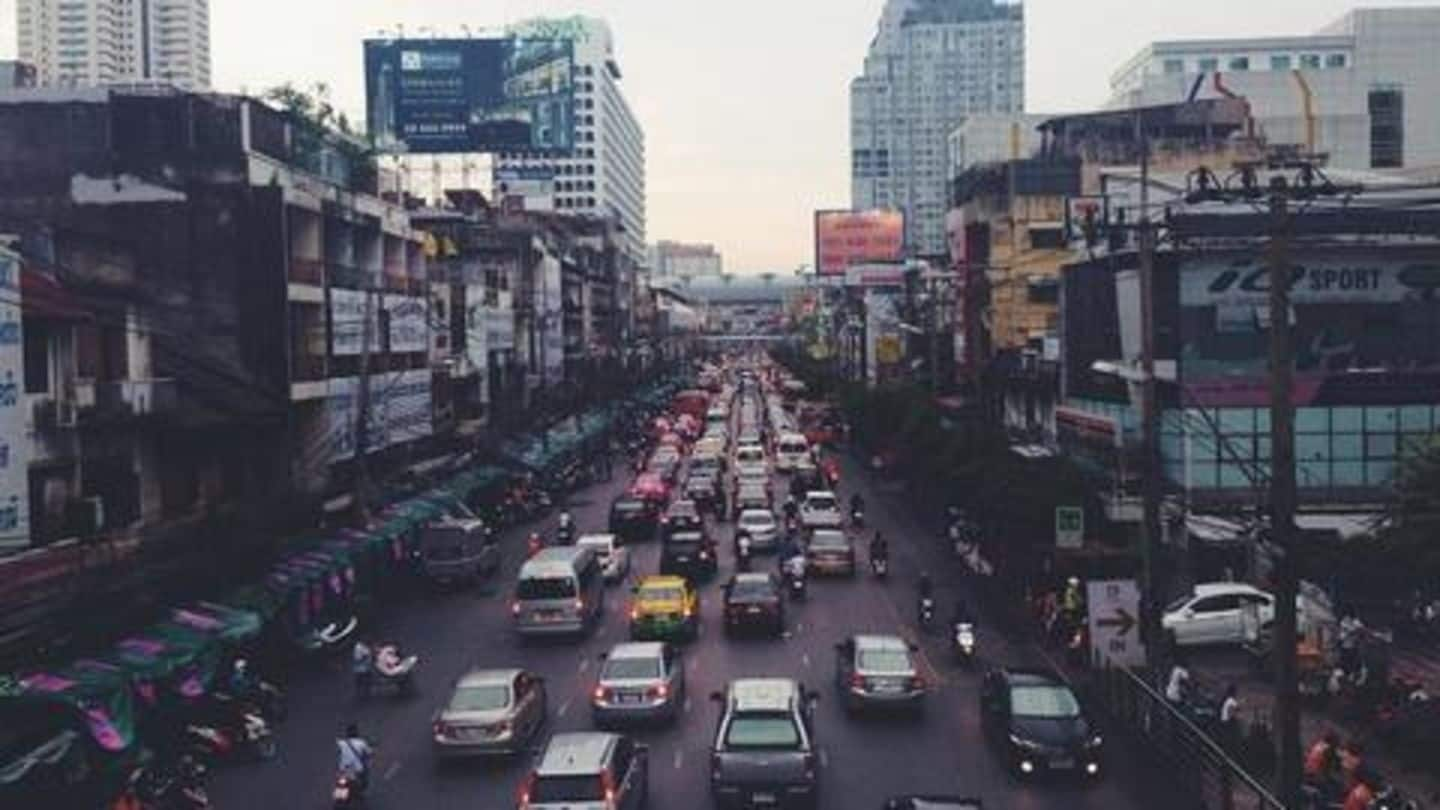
863,761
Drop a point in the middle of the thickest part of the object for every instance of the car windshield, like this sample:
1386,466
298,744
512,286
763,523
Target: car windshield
884,661
1054,702
749,590
621,669
662,593
629,507
480,698
602,547
567,789
684,539
756,519
545,588
760,731
792,447
820,502
829,540
1178,603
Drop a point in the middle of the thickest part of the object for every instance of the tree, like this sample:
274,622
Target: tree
316,124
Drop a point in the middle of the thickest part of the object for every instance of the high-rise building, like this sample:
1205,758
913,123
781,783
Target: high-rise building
604,175
95,42
931,63
676,260
1363,90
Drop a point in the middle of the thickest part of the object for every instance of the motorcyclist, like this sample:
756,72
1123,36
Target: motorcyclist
241,682
566,529
534,543
792,507
355,754
879,548
857,504
962,614
794,565
742,548
925,596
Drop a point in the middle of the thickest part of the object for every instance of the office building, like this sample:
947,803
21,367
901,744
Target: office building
96,42
604,175
672,261
931,63
1363,89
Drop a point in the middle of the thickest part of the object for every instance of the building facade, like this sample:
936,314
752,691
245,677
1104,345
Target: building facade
672,261
604,176
97,42
931,63
1362,90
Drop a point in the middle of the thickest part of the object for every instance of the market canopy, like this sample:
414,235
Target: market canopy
99,692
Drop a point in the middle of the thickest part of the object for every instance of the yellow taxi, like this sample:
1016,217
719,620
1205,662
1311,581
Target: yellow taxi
665,608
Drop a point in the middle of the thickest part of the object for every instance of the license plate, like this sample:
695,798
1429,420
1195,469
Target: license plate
551,615
764,798
753,610
629,698
890,688
1063,763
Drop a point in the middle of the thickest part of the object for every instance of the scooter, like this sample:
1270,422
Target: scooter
249,733
795,586
180,786
964,638
348,792
927,612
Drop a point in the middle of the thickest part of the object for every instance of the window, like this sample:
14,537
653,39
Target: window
1239,63
37,357
1174,65
1387,128
1209,65
1335,60
1310,61
1280,62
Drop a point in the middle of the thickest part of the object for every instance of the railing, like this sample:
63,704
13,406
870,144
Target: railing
1203,772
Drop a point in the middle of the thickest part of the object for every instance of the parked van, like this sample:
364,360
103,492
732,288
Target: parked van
560,590
458,550
790,451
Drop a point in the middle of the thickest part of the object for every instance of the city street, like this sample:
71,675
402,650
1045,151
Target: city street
863,760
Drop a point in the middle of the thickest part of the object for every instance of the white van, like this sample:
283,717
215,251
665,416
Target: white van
791,451
560,590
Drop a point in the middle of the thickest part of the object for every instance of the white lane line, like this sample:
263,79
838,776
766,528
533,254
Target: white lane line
564,707
687,705
679,758
824,757
584,664
391,771
805,659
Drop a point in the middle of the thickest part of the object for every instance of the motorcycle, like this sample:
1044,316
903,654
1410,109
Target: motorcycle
964,638
180,786
927,612
795,586
398,676
857,518
348,792
880,566
742,557
248,733
565,535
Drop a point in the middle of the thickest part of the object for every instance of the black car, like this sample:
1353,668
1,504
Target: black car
752,602
633,519
681,516
689,553
932,803
704,490
1038,724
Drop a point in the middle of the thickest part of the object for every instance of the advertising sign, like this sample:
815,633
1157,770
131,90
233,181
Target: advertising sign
1115,622
884,350
409,328
407,406
1366,329
553,322
400,411
14,449
477,348
347,322
470,95
845,238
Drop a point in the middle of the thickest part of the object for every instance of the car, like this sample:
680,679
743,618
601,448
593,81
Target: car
689,553
638,681
878,672
820,508
708,458
588,770
750,460
764,529
1213,613
830,551
752,496
754,479
491,711
932,802
682,515
666,467
806,476
1038,724
752,601
765,753
652,489
664,607
614,558
633,519
750,436
704,489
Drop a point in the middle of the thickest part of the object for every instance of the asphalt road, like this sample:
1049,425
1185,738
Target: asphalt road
863,760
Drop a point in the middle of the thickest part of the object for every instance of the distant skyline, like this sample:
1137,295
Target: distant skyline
745,104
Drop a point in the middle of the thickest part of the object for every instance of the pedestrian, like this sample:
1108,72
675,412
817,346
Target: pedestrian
1230,719
1177,687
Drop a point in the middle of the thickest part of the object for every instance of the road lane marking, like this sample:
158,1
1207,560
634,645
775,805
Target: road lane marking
564,707
687,705
679,758
391,771
824,757
584,664
805,659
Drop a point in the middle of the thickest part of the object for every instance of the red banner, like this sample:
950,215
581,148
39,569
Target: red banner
845,238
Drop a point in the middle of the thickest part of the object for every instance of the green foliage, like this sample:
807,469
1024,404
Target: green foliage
315,121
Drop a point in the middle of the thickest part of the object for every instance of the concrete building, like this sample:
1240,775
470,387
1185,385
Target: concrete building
1363,89
604,176
97,42
671,261
14,73
931,63
991,138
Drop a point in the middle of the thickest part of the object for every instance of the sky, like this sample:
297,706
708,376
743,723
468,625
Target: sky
745,103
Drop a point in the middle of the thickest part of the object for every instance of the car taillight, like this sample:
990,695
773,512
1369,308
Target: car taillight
809,766
600,693
857,681
607,784
634,613
526,788
441,730
515,608
689,611
917,682
579,604
660,692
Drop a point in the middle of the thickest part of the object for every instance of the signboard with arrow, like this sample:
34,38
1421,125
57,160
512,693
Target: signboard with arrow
1114,607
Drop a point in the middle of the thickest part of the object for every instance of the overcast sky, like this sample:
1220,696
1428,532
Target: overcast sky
744,102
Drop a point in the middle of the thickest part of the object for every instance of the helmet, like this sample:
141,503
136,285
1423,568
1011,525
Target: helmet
240,665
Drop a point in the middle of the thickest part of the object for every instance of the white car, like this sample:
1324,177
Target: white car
821,509
1213,613
790,451
750,461
614,558
762,526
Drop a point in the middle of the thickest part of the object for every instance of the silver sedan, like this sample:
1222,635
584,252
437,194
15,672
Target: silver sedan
492,711
639,681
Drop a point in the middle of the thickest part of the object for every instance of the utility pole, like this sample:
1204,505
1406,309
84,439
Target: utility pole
1151,469
362,411
1282,494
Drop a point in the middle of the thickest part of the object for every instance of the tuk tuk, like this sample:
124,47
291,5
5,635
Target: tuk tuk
458,550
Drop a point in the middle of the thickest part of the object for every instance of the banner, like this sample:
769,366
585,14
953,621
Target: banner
845,238
347,322
409,323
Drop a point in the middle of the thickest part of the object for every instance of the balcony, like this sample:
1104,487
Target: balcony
307,271
51,414
345,275
126,399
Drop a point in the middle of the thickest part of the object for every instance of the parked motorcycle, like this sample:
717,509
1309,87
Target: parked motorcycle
170,786
963,636
247,733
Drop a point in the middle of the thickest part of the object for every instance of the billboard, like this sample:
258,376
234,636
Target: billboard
470,95
1366,329
845,238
